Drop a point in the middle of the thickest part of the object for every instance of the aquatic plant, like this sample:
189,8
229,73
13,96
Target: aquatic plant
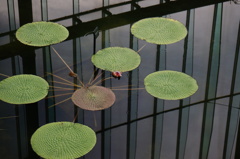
93,98
23,89
63,140
90,96
86,96
116,59
159,30
170,85
47,33
41,33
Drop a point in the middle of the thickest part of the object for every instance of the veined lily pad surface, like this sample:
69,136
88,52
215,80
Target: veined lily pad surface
159,30
170,85
63,140
93,98
116,59
23,89
41,33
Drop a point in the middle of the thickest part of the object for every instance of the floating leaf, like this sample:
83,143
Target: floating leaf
170,85
41,33
23,89
116,59
63,140
93,98
159,30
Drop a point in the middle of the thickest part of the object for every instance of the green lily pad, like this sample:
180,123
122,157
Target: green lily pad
116,59
23,89
41,33
63,140
93,98
159,30
170,85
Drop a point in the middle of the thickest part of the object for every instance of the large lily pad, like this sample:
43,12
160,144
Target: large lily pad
170,85
41,33
93,98
23,89
116,59
159,30
63,140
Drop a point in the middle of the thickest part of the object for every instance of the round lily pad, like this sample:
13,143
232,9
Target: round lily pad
23,89
116,59
159,30
41,33
170,85
63,140
93,98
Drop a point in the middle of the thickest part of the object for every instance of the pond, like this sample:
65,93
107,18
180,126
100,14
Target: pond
138,125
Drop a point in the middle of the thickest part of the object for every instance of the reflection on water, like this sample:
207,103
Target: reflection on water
137,126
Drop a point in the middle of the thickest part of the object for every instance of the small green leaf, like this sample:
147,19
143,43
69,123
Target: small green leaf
159,30
41,33
170,85
63,140
116,59
23,89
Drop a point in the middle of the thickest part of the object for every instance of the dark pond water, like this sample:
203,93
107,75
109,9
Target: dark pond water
137,126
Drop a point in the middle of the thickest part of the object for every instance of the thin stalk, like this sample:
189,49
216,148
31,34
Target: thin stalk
8,117
60,102
142,47
79,80
67,65
68,84
95,120
99,75
101,81
75,116
62,59
59,95
122,86
62,88
4,75
92,76
128,89
73,84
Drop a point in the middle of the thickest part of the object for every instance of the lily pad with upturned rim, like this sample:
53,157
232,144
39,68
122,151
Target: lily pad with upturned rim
170,85
63,140
41,33
23,89
93,98
159,30
116,59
